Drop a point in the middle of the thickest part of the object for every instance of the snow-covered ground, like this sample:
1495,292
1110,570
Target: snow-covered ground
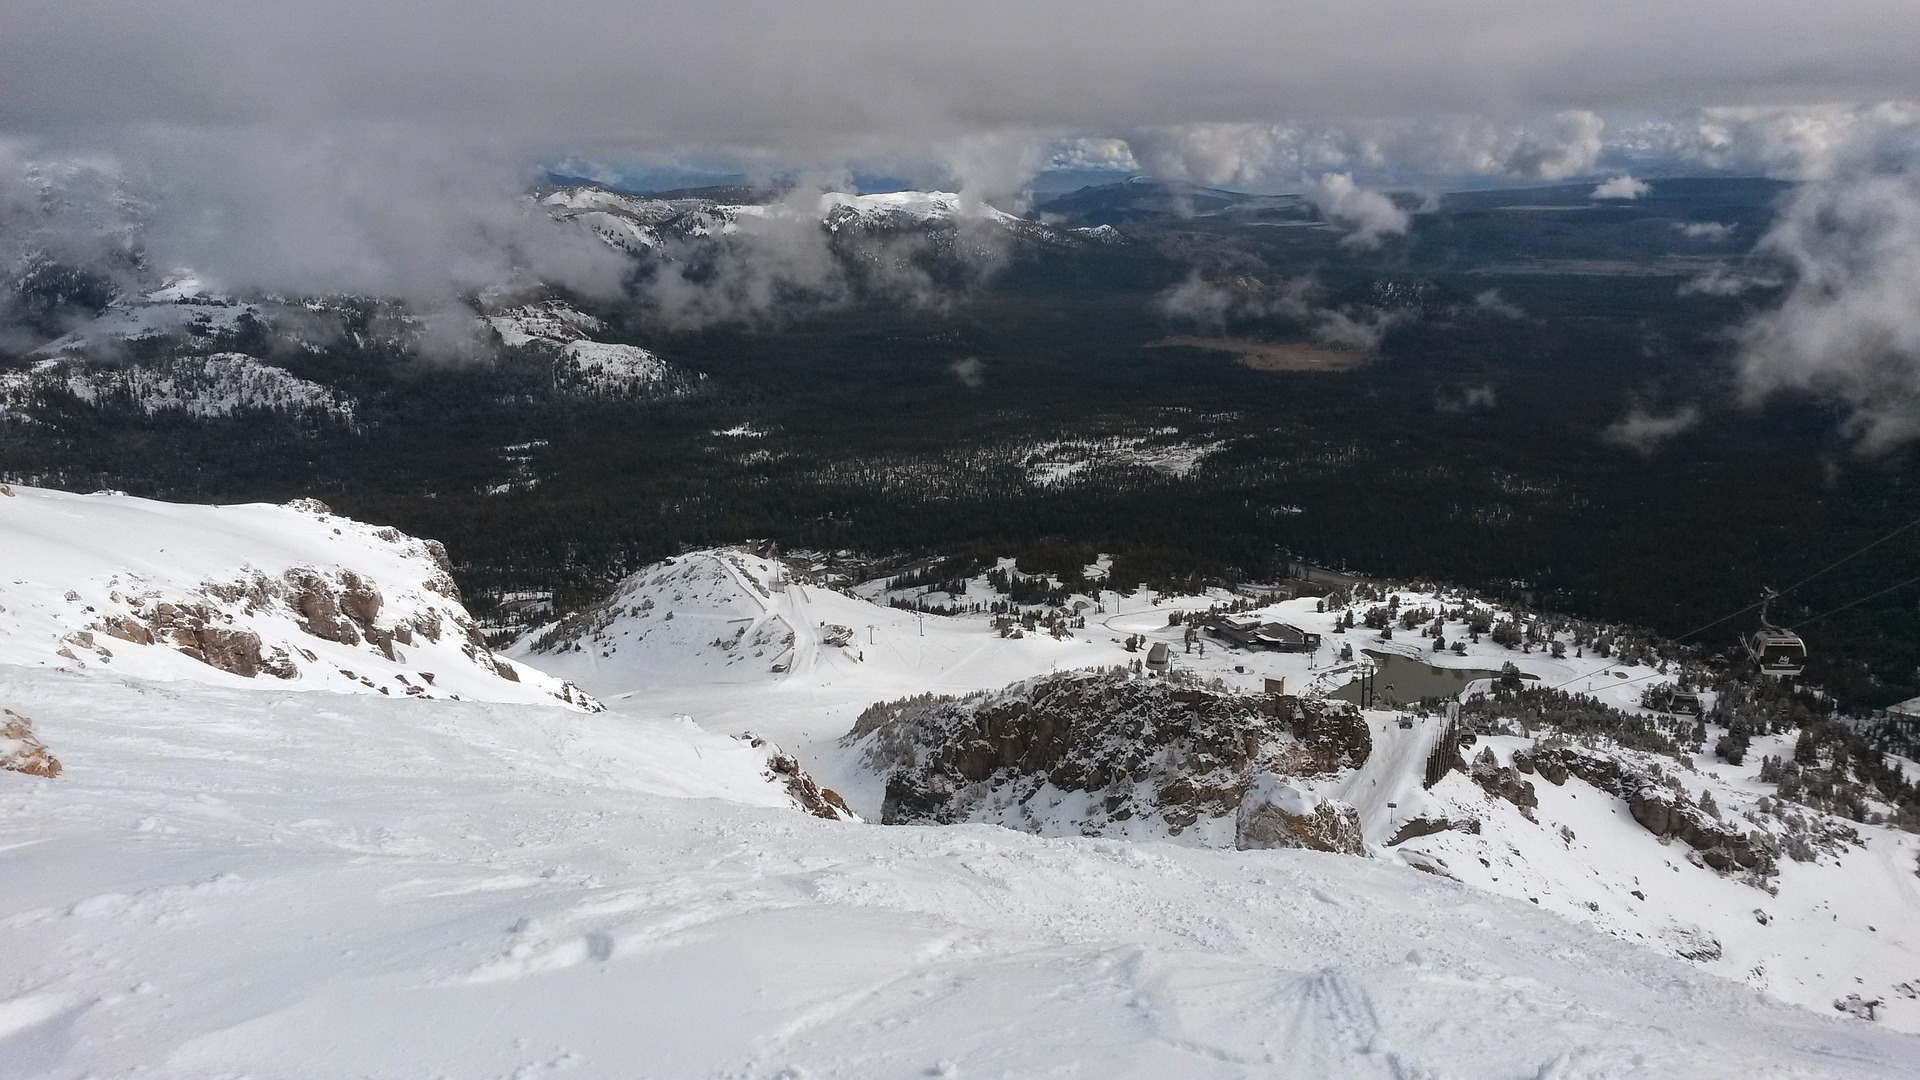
232,878
582,365
1848,923
167,311
198,386
240,595
233,882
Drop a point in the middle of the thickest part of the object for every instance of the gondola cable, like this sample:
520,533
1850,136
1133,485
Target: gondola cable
1851,603
1857,552
1817,573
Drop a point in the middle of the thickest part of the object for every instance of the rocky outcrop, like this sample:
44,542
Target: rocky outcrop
1669,814
22,751
198,631
1556,761
1428,824
1503,782
807,794
1275,814
1139,753
317,605
1658,807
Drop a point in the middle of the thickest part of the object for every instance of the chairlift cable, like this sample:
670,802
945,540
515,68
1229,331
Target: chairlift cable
1851,603
1817,573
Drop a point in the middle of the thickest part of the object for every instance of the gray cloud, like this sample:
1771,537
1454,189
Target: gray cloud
1643,432
1213,304
1367,215
1622,186
735,72
1713,232
370,212
1848,328
356,145
1491,302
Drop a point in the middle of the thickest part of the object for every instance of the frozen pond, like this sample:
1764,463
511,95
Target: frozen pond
1400,680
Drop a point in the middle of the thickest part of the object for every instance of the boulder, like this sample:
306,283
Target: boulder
1276,814
1503,782
21,750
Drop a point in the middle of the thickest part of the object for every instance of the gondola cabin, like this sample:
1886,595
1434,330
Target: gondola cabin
1780,653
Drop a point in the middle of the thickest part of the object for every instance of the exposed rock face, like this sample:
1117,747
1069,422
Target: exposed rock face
1429,824
21,750
195,630
1555,762
1658,808
1693,943
808,795
318,606
1502,782
1112,748
1274,814
1667,813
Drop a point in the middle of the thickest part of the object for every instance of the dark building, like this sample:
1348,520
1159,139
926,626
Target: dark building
1253,634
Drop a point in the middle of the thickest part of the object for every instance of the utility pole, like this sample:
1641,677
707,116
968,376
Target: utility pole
869,633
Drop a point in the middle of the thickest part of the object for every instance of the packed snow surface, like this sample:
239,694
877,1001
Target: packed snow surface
233,882
231,878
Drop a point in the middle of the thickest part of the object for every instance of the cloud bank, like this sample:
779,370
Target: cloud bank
1622,187
1367,215
1848,329
1644,432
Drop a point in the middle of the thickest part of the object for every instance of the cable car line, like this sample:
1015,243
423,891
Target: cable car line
1830,566
1851,603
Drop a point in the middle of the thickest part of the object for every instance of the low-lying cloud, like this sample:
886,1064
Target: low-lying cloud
1622,187
1366,215
1214,305
381,213
1644,432
1848,328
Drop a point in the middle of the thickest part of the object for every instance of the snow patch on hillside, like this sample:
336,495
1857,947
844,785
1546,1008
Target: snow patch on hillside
170,312
1054,464
201,387
599,368
582,365
245,595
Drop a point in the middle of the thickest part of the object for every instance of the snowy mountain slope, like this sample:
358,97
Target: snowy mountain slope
222,384
237,882
1811,932
729,617
291,596
582,365
1814,947
169,310
641,225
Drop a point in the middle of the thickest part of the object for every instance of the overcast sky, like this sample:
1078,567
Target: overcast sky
801,77
384,146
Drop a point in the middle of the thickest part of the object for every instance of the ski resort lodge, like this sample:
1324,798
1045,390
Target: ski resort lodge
1253,634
